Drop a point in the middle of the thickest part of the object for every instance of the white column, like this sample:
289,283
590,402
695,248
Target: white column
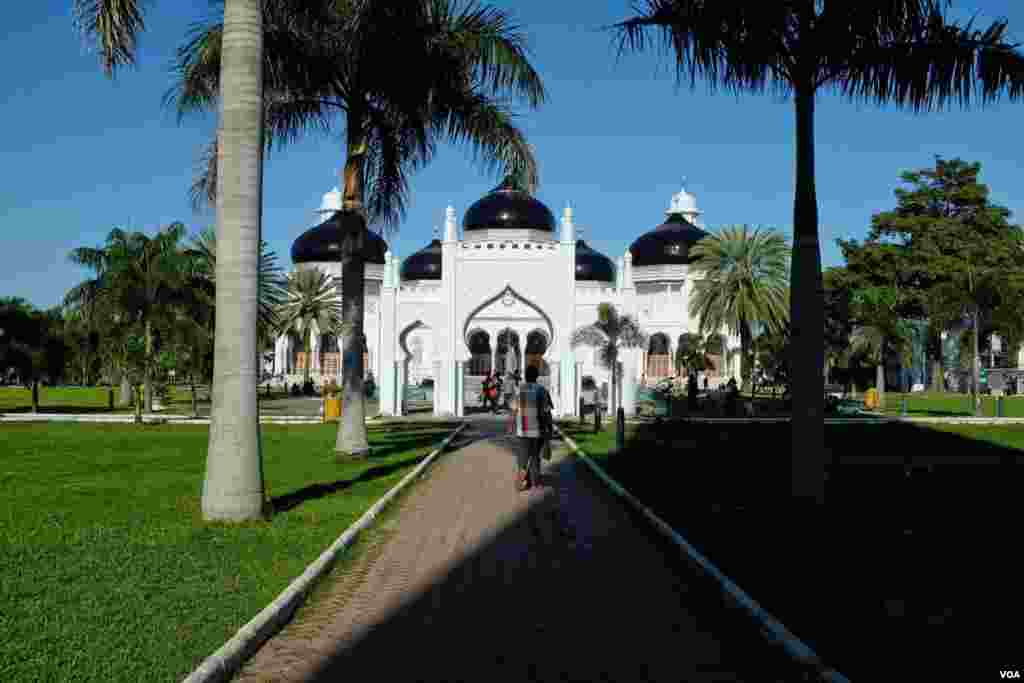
314,345
449,337
388,379
436,365
577,381
460,367
399,387
555,377
629,365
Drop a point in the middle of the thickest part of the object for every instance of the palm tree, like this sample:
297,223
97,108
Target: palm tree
878,328
312,300
459,61
745,282
610,334
905,53
141,276
233,488
690,353
270,277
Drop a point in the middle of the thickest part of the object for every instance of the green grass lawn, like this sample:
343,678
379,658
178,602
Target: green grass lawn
108,572
905,561
57,400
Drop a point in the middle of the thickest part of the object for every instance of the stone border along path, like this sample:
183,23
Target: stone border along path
771,627
474,581
223,663
157,418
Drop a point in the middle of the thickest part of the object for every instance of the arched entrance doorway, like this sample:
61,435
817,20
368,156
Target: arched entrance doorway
418,381
508,357
659,360
479,354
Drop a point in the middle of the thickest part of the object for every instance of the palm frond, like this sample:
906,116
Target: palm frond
933,62
113,27
745,279
736,45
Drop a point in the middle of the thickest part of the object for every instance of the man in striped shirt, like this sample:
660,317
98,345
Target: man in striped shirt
531,410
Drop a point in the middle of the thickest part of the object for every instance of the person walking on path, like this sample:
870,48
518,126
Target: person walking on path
531,412
485,391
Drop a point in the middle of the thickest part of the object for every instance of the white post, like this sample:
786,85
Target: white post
460,408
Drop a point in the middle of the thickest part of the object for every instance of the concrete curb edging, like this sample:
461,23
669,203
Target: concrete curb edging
770,627
225,662
147,418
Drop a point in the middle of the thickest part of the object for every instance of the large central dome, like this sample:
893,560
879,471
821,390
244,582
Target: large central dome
508,207
670,242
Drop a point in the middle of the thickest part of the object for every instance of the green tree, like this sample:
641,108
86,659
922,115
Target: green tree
612,333
270,276
690,354
312,301
32,343
968,256
143,278
906,53
879,328
744,280
460,61
838,326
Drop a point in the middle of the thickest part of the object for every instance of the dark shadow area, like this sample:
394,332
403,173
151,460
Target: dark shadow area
292,500
904,573
396,444
572,589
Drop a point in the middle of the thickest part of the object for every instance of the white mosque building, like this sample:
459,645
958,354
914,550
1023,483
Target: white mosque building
505,290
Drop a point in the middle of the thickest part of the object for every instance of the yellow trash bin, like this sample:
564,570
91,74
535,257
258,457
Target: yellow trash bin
871,401
332,409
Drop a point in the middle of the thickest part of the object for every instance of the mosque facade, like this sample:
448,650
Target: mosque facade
504,290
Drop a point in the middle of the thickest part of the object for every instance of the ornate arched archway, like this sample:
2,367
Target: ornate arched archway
659,358
416,341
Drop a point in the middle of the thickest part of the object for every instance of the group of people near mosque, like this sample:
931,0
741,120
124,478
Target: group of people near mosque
497,392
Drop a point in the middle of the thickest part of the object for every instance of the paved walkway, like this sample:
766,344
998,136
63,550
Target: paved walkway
479,582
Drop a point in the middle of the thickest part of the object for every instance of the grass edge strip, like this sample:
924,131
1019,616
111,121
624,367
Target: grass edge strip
230,656
770,627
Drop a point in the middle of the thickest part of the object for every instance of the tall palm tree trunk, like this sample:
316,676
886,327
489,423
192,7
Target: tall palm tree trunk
807,315
746,341
880,378
233,488
976,367
352,440
124,393
148,377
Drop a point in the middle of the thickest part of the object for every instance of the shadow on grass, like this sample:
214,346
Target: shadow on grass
907,548
418,438
530,600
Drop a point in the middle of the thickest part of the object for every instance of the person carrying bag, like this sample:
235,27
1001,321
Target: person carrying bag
531,411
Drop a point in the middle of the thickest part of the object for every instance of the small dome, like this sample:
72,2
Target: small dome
667,244
592,265
331,201
508,207
322,243
425,264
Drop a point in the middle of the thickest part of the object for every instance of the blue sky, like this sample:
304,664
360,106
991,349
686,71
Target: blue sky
83,154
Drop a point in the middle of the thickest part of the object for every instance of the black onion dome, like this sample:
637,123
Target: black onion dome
322,243
667,244
508,207
425,264
593,265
